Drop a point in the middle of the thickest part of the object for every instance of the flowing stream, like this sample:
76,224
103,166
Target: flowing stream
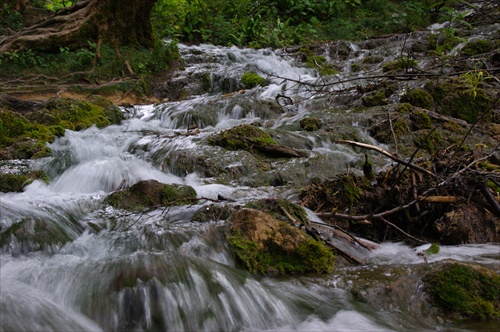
84,266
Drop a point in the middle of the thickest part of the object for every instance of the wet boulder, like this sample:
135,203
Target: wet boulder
253,139
151,193
264,245
15,175
463,290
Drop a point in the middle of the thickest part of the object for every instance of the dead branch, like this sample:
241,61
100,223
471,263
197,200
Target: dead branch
387,154
439,199
402,232
492,202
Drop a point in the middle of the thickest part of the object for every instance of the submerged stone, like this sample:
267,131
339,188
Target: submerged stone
151,193
265,245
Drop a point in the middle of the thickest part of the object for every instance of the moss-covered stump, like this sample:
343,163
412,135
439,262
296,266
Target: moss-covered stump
464,291
253,139
151,193
265,245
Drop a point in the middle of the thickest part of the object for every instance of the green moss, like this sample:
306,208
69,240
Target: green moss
399,65
180,195
372,59
242,137
464,105
429,142
377,98
77,114
420,120
351,193
418,97
355,67
279,208
455,98
493,186
477,47
28,133
464,290
10,182
404,108
383,132
151,193
433,249
251,80
267,246
310,124
35,234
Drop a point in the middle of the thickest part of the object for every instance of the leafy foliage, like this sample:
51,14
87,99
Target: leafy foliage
283,22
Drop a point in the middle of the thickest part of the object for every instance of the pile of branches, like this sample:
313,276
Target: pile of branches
452,198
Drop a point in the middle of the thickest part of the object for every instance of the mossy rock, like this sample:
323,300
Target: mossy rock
213,212
151,193
377,98
372,60
418,97
464,291
476,47
420,120
455,98
310,124
251,80
253,139
399,65
266,246
464,105
383,133
23,136
281,209
34,235
78,114
10,182
429,141
26,148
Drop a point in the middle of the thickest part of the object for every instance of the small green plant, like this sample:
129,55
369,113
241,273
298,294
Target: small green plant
474,78
448,33
433,249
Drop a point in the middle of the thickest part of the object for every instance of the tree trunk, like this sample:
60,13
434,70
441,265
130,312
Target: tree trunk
118,22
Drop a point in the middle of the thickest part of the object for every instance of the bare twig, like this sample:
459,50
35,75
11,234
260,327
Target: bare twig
387,154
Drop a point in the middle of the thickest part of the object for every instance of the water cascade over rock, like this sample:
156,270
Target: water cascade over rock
142,225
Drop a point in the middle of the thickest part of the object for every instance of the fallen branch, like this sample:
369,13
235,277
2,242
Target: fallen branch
387,154
439,199
403,232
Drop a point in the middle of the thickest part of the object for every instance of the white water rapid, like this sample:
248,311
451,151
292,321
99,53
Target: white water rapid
80,265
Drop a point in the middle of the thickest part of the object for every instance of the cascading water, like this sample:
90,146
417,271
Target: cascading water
81,265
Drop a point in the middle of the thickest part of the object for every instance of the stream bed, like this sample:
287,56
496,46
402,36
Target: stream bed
81,265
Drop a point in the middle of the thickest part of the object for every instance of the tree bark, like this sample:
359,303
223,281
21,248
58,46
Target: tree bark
118,22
